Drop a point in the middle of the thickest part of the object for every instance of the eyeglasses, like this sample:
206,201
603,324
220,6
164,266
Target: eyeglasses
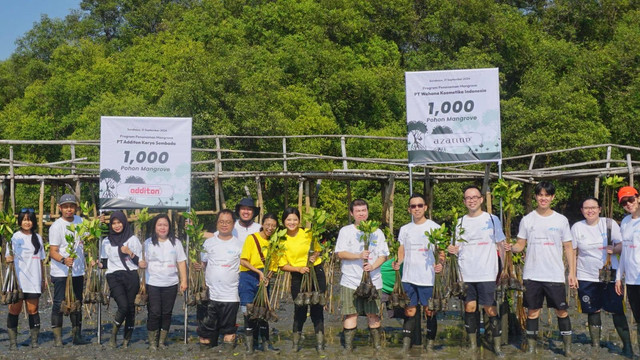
470,198
627,199
419,206
590,208
27,210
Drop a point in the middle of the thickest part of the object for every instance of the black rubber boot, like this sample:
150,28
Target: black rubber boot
320,342
57,336
153,339
296,341
594,332
162,339
128,334
35,334
113,341
13,338
376,338
248,337
349,334
567,346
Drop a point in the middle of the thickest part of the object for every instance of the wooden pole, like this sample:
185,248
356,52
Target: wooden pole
630,168
54,208
316,193
41,207
12,182
389,194
486,189
1,195
307,200
343,147
349,201
260,202
300,194
223,202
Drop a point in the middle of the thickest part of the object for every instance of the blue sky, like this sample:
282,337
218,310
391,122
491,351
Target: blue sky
17,17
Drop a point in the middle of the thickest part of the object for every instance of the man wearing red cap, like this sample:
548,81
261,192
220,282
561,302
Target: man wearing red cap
629,264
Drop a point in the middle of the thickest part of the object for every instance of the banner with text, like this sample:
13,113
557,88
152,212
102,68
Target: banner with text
453,116
145,162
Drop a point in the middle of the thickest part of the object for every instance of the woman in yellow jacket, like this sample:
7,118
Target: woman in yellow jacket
254,252
298,254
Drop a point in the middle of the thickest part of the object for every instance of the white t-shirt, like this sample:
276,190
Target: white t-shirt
478,256
162,262
27,264
349,240
223,268
630,256
591,242
544,235
57,233
418,253
113,258
242,232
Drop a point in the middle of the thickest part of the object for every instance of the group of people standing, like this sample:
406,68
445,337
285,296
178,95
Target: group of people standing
233,261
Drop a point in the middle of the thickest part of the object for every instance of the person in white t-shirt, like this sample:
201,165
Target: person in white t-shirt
478,260
545,233
629,267
245,212
61,261
591,239
121,253
166,264
419,269
27,257
350,251
221,263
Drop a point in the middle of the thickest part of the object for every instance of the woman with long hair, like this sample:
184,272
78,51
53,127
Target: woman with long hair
298,253
120,254
27,257
166,272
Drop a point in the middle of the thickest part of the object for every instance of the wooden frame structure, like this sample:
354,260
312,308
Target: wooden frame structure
219,157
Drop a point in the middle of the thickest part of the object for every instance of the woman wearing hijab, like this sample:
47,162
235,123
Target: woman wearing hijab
120,254
27,257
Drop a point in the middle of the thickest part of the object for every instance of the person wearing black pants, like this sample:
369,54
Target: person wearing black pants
166,259
61,260
27,257
295,260
120,253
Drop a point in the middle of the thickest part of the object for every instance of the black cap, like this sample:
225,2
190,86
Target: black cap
67,199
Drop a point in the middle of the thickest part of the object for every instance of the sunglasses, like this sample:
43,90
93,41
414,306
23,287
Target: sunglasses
627,199
419,206
27,210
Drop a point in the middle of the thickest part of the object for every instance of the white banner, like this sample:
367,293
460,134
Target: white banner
145,162
453,116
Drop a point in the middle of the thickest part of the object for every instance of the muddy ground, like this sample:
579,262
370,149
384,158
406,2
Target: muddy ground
451,341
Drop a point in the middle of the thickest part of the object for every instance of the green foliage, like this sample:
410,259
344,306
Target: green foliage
368,227
195,231
569,76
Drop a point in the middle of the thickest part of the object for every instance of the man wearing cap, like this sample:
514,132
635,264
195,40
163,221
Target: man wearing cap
629,266
60,264
246,211
244,226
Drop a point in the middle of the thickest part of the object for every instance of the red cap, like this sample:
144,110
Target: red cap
626,191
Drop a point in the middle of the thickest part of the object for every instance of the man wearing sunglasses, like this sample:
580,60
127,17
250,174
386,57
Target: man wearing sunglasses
478,259
545,233
418,273
629,266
